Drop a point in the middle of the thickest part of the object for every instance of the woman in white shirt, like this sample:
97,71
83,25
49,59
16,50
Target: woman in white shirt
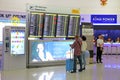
83,49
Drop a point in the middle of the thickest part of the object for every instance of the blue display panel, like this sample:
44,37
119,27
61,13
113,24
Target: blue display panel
104,18
49,51
113,34
17,40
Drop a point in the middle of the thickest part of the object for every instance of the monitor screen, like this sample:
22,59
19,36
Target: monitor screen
49,51
36,24
73,28
62,23
49,25
17,40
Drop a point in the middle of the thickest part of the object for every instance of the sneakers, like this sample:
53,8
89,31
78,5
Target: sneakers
83,68
80,70
101,62
73,71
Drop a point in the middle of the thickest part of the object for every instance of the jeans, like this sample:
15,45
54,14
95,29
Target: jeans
75,61
83,58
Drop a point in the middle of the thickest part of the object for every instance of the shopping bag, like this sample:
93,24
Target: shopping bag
87,56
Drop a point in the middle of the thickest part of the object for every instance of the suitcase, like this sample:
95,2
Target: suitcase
69,61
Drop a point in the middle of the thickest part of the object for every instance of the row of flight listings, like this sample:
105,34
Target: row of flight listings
53,25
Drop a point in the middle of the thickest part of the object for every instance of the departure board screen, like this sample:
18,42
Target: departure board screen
62,23
73,28
36,24
49,25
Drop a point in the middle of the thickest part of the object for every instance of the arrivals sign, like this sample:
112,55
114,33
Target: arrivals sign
110,19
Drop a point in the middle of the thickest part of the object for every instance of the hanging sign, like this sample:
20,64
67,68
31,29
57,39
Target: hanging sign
104,18
75,11
12,17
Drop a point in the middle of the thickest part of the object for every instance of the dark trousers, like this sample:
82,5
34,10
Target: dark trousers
99,54
75,62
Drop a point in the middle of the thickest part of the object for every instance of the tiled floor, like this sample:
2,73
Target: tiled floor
108,70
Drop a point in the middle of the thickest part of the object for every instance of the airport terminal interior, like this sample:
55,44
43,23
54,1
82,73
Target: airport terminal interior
36,38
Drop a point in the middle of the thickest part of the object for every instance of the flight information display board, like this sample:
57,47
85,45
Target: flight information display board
49,25
62,23
36,24
73,28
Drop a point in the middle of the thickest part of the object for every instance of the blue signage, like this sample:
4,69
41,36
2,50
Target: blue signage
104,18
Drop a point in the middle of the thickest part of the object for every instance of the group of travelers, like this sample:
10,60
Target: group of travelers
79,46
80,49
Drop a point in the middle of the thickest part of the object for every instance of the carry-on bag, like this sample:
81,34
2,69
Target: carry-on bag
69,60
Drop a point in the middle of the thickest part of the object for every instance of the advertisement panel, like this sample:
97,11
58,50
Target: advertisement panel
49,51
17,40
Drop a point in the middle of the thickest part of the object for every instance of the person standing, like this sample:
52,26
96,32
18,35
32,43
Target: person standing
100,43
83,49
77,53
118,40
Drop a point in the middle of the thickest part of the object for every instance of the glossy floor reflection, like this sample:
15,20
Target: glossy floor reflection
108,70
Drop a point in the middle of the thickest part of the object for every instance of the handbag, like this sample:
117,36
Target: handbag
101,48
87,54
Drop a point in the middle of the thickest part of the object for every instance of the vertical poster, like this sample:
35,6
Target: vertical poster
73,28
17,40
87,29
36,24
62,23
49,25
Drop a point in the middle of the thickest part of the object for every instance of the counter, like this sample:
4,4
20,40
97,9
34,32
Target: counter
110,48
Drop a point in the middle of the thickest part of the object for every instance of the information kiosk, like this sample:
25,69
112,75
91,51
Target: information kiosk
13,56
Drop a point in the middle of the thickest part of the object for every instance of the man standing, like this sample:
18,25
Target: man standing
100,43
77,53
